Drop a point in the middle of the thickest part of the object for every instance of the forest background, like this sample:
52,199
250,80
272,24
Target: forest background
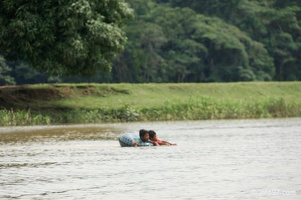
196,41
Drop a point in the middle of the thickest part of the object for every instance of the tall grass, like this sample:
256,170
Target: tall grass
202,107
196,108
22,118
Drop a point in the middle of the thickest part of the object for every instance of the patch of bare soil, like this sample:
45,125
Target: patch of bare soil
20,96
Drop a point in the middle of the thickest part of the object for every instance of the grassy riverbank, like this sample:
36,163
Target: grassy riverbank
96,103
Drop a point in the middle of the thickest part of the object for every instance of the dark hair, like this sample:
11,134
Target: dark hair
151,134
142,132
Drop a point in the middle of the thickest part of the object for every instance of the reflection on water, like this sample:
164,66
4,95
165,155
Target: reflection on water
57,133
239,159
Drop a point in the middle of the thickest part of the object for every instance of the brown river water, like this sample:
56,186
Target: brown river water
228,159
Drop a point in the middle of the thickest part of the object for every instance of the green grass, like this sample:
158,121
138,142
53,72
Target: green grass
22,118
94,103
155,95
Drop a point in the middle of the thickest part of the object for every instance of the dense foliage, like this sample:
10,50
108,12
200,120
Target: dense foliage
169,41
63,37
212,40
4,71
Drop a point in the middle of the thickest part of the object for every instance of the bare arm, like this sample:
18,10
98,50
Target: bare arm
155,143
168,143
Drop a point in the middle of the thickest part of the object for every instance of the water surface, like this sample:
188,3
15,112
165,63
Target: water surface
229,159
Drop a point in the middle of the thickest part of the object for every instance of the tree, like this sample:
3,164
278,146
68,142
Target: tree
284,45
273,24
5,78
141,61
182,52
202,48
63,37
169,44
23,74
145,47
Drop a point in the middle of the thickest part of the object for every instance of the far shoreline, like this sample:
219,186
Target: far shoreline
58,104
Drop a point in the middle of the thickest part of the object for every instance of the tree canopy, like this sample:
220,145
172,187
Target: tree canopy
167,41
186,46
275,24
63,36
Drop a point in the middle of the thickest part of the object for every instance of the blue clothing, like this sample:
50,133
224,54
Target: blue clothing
143,143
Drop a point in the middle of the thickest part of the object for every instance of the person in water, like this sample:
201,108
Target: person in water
144,139
153,137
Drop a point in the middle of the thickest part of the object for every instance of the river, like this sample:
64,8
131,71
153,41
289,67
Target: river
227,159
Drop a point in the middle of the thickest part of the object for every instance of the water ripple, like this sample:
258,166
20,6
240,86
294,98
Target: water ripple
230,159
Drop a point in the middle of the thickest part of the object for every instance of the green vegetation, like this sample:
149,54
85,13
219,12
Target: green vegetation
97,103
63,37
4,71
167,41
22,118
212,41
